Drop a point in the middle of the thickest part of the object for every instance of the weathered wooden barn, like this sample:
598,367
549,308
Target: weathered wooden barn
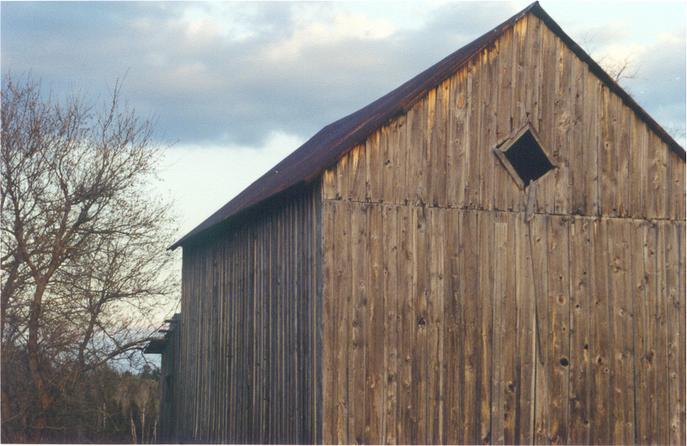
493,252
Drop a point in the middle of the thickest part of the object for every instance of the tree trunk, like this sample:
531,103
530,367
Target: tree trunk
103,416
143,425
7,291
32,350
134,438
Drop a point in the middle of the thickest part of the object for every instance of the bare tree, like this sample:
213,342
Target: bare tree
83,247
135,397
620,70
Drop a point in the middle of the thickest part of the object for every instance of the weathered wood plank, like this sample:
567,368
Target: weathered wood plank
661,345
581,255
406,256
483,313
500,402
455,150
548,186
658,157
489,99
579,171
645,171
389,160
678,188
390,223
558,327
471,173
359,328
357,175
681,360
401,171
438,145
473,330
542,357
621,337
342,248
524,333
600,336
504,123
498,301
435,319
607,156
590,142
419,148
637,289
624,123
374,168
330,312
454,338
674,312
374,379
420,356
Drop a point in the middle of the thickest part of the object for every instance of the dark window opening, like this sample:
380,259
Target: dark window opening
528,158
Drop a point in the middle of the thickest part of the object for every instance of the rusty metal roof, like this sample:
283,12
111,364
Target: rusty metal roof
325,148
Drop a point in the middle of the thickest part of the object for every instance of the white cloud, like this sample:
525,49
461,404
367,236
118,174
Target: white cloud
329,29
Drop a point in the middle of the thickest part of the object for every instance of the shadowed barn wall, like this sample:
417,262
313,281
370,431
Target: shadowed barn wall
248,357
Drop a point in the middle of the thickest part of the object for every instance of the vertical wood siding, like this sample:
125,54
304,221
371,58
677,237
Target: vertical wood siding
169,369
485,320
479,327
248,361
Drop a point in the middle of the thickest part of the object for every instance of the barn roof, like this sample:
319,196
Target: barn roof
325,148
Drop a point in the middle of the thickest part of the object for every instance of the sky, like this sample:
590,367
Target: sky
235,87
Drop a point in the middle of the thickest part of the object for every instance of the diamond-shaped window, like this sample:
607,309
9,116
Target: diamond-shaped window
523,157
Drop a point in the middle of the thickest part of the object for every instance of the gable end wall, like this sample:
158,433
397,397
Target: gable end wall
450,317
439,154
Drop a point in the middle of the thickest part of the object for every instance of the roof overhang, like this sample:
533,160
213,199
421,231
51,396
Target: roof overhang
155,346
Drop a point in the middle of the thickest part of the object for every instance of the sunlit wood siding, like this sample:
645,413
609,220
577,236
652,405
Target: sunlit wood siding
456,313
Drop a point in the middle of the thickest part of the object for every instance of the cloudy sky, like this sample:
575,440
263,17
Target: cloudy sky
235,87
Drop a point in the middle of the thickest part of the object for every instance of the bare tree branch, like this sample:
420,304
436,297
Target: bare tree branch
83,245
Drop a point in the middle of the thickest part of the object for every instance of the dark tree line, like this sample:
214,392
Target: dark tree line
84,266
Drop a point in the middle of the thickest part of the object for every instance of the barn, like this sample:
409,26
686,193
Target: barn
493,252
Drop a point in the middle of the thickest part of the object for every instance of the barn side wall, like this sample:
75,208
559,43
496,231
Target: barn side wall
169,370
248,358
454,312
